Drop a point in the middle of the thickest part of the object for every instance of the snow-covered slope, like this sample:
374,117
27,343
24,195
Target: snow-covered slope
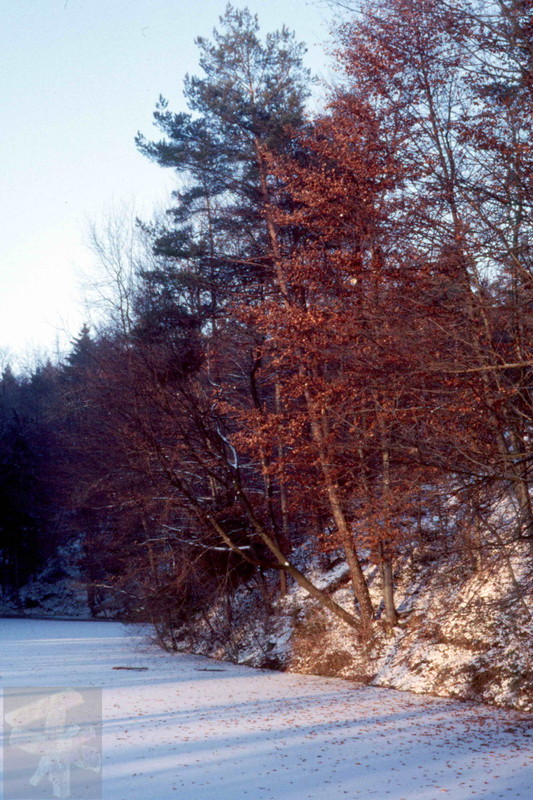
191,728
463,632
57,590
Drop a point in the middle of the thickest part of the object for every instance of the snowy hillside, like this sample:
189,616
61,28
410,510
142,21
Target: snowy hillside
57,590
462,633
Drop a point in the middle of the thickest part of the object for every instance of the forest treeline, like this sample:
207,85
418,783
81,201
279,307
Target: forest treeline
325,341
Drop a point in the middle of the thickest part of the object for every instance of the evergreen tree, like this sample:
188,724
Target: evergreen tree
27,493
250,93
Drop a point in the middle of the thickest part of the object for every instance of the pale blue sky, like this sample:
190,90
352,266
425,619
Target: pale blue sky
78,79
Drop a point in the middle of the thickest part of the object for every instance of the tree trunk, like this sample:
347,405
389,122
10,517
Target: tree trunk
391,615
359,584
387,581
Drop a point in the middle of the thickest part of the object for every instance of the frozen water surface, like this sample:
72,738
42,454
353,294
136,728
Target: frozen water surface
196,729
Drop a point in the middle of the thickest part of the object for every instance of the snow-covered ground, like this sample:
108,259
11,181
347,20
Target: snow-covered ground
195,729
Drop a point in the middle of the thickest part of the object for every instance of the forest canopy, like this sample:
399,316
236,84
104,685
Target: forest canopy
324,342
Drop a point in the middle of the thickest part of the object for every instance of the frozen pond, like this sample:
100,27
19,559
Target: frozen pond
195,729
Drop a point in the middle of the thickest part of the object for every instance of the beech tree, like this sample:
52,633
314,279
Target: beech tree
403,375
331,336
453,81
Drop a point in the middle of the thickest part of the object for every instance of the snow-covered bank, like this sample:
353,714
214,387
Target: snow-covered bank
57,590
463,632
191,728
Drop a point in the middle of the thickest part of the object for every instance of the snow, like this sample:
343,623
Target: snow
196,729
57,589
463,633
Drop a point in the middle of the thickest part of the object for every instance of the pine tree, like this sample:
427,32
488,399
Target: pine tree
251,91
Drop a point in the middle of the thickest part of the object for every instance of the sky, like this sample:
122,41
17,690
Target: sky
78,79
